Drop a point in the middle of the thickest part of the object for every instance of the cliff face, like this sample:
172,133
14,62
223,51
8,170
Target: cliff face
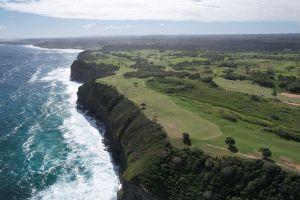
136,142
82,71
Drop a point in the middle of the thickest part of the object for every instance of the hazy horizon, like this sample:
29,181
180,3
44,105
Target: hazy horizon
91,18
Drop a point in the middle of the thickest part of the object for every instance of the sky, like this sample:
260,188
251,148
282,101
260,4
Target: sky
61,18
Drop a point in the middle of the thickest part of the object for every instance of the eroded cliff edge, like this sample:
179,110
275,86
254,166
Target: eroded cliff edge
135,141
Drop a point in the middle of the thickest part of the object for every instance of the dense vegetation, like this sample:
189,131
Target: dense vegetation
267,79
144,69
191,174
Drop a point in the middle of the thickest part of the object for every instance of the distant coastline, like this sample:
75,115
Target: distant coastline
259,42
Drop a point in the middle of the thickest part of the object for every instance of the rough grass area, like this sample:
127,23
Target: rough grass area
252,89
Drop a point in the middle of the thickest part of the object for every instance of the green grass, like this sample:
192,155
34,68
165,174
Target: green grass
252,89
173,118
249,137
198,112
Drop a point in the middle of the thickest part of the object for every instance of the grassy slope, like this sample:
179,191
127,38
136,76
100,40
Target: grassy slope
249,137
161,106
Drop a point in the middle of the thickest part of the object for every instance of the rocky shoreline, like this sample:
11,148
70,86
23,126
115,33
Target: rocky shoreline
129,133
90,100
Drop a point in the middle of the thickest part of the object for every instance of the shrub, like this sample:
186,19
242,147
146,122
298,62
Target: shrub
230,142
275,117
207,79
186,139
229,116
265,152
255,98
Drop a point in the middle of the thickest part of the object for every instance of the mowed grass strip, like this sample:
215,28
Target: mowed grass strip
171,116
249,137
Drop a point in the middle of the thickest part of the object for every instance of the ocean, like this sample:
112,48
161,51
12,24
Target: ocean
48,149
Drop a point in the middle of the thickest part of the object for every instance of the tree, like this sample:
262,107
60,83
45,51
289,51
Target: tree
143,106
230,142
266,153
186,139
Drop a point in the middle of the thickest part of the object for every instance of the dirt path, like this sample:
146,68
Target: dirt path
287,164
290,95
290,103
241,154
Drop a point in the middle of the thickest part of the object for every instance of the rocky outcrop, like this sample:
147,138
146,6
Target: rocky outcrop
136,143
83,71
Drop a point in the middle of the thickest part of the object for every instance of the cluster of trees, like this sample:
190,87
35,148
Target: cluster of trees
284,133
228,64
189,65
179,88
233,76
230,142
290,83
189,174
144,69
229,116
265,79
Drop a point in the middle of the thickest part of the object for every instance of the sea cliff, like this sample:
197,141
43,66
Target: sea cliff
82,71
136,143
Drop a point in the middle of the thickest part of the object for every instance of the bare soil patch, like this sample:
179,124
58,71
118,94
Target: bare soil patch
290,95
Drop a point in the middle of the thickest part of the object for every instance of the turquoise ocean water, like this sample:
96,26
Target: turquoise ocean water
48,149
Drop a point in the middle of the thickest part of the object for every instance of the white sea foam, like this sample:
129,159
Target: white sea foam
34,77
86,145
54,50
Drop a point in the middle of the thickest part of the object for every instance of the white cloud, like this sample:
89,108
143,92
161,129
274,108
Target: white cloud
200,10
89,26
3,27
162,25
114,27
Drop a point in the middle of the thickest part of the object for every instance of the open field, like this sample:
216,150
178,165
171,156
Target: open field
174,88
254,89
162,108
